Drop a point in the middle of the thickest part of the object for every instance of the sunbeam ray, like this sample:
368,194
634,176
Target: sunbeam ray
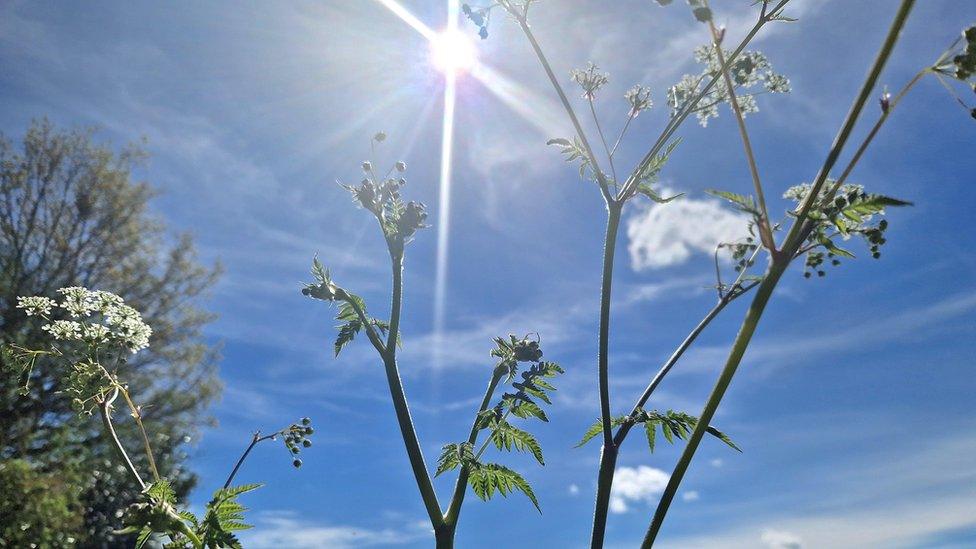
408,18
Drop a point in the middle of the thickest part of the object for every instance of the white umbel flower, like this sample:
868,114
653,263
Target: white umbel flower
63,330
36,305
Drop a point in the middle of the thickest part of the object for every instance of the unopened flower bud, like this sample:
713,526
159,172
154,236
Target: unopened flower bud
400,166
379,137
367,166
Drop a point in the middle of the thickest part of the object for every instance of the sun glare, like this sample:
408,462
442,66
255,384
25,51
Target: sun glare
452,52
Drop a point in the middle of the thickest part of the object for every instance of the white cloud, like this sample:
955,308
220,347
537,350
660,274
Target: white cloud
690,495
779,539
574,490
633,484
276,529
873,502
662,235
716,463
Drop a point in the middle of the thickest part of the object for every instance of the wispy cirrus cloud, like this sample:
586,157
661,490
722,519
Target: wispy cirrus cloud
277,529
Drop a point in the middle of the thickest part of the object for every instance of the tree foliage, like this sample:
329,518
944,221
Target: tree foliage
72,214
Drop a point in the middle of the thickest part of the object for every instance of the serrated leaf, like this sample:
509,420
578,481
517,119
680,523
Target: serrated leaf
144,535
647,191
162,490
650,428
723,437
833,248
507,436
525,408
347,332
597,428
453,456
742,202
572,151
485,479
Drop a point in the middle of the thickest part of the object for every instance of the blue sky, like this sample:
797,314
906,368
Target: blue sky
853,405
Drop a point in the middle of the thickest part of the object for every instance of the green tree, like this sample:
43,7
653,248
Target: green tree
72,215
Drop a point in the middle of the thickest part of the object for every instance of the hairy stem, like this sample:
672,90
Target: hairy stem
777,266
106,409
603,359
604,482
410,441
137,415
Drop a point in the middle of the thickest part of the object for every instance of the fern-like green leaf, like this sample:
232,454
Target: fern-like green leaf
485,479
453,456
744,203
507,436
347,332
597,428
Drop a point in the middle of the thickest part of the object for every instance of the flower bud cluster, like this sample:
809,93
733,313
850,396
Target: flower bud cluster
412,219
296,438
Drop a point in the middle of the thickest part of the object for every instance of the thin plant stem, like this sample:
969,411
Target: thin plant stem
742,340
623,132
764,230
603,139
874,131
598,173
374,338
106,409
257,438
777,266
608,452
792,241
137,415
608,459
460,487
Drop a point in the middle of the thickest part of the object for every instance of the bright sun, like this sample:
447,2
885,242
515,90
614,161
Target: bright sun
452,52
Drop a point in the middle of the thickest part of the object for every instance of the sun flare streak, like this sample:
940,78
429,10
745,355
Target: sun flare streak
409,18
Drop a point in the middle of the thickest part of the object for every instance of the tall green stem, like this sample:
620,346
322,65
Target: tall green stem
604,482
461,485
603,359
608,460
608,454
742,340
414,453
778,265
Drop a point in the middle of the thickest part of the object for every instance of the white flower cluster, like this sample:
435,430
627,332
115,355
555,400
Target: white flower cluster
103,317
750,69
35,305
799,192
639,98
